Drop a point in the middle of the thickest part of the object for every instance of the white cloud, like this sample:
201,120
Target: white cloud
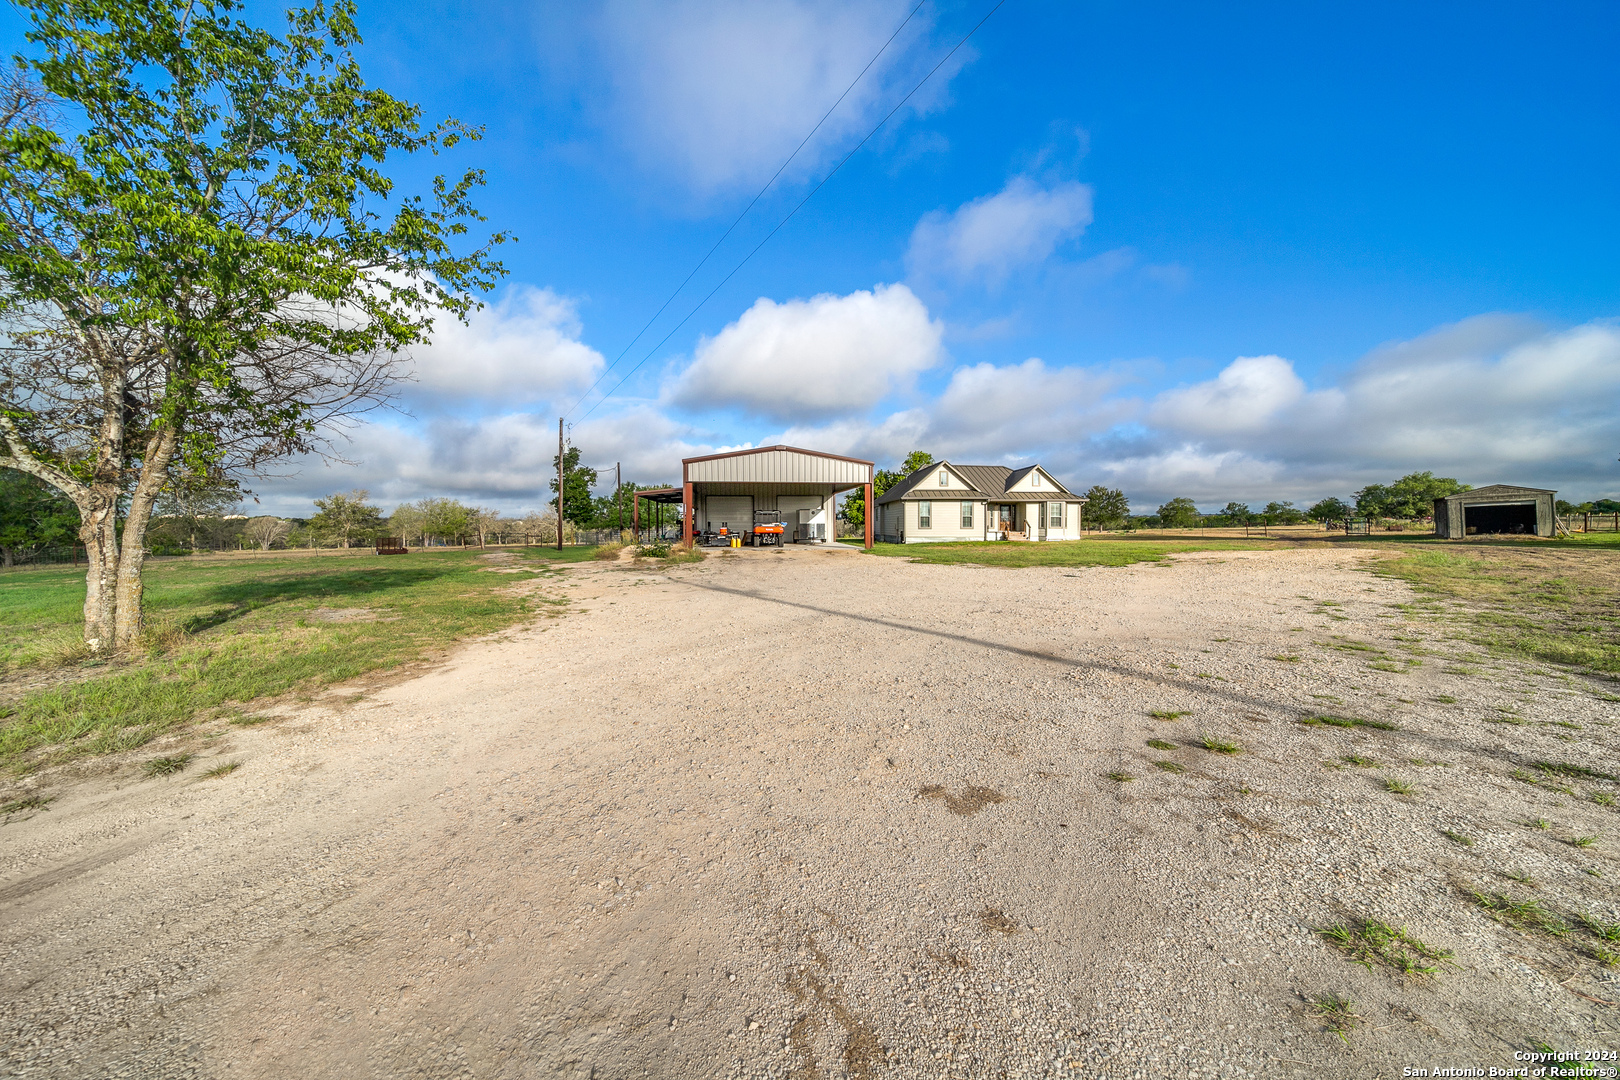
721,91
523,348
1244,397
990,237
813,359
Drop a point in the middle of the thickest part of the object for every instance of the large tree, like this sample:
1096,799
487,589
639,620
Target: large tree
200,269
1179,513
1412,496
1106,507
347,517
577,506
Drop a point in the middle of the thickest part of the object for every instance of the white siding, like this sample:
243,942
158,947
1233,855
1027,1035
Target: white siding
947,520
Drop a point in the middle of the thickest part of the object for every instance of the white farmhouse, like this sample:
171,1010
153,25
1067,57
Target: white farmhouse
977,502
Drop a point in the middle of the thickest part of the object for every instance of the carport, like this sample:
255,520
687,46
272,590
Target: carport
1495,510
725,491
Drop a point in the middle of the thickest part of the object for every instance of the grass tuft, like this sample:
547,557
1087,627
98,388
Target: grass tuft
1169,766
1457,837
1165,714
1527,914
1583,841
1219,746
1160,744
1337,1014
1121,777
1398,787
166,766
25,804
1323,719
1371,943
1359,762
223,769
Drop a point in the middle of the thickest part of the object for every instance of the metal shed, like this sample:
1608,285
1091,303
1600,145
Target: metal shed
725,490
1497,509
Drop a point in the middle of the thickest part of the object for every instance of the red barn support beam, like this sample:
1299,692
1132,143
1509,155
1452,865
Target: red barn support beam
691,513
868,517
635,514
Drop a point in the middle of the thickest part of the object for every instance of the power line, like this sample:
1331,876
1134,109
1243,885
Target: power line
761,194
796,209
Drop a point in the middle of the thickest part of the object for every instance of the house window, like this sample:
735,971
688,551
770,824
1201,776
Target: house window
925,515
967,515
1036,482
944,478
1056,515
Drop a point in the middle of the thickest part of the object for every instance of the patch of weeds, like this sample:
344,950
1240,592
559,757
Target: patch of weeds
1602,798
1445,699
1582,841
1219,746
1524,777
1287,658
1166,714
1121,777
1202,675
1457,837
1160,744
1175,667
1515,720
1337,1014
1592,870
1564,768
1398,787
26,804
1169,766
166,766
1372,943
1606,956
1606,931
1385,665
1359,762
1526,914
223,769
250,721
1521,877
1538,823
1345,722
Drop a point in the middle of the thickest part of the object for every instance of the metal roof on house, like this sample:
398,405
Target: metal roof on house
989,482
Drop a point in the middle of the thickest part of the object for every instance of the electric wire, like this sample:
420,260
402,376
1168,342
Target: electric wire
794,211
751,203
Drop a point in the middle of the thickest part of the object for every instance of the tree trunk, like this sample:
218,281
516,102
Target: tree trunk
132,560
99,532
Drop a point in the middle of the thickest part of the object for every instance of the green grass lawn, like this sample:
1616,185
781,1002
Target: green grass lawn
224,631
1547,600
1093,551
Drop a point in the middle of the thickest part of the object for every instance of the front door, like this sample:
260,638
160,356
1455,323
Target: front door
1007,518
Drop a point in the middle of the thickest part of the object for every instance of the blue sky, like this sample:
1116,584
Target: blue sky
1225,251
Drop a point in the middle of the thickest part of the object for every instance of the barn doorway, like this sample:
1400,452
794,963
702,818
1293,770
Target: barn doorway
1500,518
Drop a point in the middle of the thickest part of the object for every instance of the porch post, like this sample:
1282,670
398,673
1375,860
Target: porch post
691,512
868,517
635,514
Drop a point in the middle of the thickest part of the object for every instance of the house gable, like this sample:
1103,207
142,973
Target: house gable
1035,480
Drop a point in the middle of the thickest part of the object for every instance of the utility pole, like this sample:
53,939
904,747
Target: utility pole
561,477
618,496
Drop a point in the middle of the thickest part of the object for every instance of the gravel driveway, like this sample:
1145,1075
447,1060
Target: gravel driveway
821,814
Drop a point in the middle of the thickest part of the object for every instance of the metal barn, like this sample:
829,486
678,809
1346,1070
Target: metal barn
724,492
1497,509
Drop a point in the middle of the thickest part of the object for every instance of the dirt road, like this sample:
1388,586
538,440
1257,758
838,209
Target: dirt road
818,814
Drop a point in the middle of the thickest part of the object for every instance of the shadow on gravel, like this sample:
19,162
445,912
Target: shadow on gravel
1201,687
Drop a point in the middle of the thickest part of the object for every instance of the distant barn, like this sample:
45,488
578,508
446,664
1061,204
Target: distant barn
1497,509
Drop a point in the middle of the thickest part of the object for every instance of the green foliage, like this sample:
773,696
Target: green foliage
1282,513
33,515
347,517
577,505
917,459
1106,508
1412,496
1235,513
1329,509
1179,514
